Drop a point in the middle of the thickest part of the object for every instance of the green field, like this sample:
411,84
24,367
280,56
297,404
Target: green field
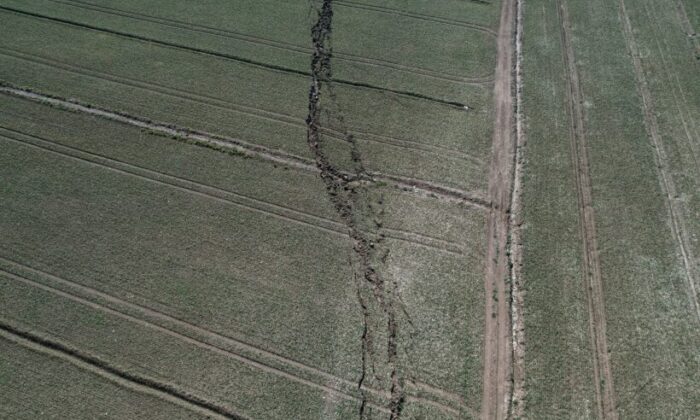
652,333
340,209
229,278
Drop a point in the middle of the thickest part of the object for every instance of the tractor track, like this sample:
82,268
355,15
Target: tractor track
420,16
688,28
232,145
242,60
678,226
227,105
285,46
593,279
218,194
94,364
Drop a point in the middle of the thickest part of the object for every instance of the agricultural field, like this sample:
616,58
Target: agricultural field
340,209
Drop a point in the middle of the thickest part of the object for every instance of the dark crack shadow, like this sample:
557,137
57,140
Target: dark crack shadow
359,203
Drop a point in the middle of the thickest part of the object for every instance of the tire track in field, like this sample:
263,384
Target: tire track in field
224,33
497,328
602,370
218,194
688,28
232,145
668,69
136,382
245,61
678,226
429,18
228,105
237,349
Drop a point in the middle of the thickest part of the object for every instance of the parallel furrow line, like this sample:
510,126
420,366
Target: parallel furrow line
137,382
224,33
189,186
672,77
419,187
241,351
420,16
602,370
242,60
678,225
227,105
693,36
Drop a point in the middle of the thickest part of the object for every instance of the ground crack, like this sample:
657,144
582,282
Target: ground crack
359,204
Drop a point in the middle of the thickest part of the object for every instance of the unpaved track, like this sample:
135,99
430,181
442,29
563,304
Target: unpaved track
602,371
678,228
497,330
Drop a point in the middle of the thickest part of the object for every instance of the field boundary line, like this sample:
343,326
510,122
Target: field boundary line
228,105
498,354
593,277
226,33
99,367
421,16
242,60
419,187
218,194
519,391
678,227
241,351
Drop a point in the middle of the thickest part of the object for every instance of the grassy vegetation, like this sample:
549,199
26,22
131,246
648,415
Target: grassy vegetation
257,105
53,382
234,270
559,370
671,71
371,45
651,325
652,329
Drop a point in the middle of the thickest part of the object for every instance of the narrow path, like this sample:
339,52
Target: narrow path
678,226
602,371
497,331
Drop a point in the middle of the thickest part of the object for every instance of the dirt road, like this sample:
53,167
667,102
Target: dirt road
497,334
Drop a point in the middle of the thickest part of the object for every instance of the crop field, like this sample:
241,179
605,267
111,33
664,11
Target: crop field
339,209
610,199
